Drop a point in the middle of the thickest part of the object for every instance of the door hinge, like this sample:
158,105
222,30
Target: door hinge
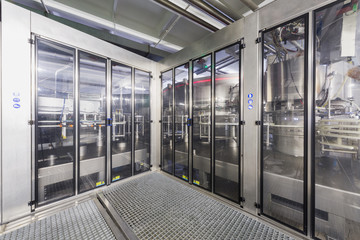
109,122
257,205
32,205
242,199
242,46
31,122
242,123
258,40
258,123
31,41
189,122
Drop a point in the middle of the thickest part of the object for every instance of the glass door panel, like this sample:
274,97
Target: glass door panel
92,116
227,113
142,121
121,114
284,99
167,121
337,124
181,109
201,108
55,151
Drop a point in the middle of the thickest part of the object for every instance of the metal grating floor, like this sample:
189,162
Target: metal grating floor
158,207
83,221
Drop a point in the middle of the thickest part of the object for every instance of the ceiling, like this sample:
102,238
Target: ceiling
145,27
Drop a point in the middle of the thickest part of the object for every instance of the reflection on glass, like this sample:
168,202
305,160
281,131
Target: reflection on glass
92,129
227,106
284,48
167,121
121,121
55,121
181,110
202,122
337,124
142,121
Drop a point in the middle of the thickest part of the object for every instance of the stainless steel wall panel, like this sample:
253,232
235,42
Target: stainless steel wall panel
16,112
251,84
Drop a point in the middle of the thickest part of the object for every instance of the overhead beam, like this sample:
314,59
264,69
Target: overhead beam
211,11
174,8
250,4
225,9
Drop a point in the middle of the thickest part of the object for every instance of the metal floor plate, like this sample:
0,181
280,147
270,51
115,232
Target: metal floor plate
83,221
158,207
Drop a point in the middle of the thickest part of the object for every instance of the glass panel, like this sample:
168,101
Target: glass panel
55,121
202,122
142,121
227,107
92,87
283,123
337,124
167,121
181,115
121,141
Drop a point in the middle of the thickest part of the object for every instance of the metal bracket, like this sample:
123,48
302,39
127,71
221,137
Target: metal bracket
242,199
160,121
257,205
31,41
151,121
242,46
258,40
258,123
242,123
151,76
31,122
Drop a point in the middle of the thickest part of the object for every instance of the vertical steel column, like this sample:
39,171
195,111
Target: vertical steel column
33,117
161,123
190,149
108,120
77,120
132,121
241,118
310,129
212,140
173,120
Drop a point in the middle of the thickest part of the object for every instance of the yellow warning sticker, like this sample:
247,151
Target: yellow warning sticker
196,182
116,178
98,184
185,177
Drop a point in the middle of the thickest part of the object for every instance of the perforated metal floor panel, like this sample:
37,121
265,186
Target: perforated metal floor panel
158,207
83,221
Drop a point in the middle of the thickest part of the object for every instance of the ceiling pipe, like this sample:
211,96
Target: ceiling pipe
250,4
228,11
174,8
211,11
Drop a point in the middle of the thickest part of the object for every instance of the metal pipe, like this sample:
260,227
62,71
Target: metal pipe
45,7
211,11
174,8
223,8
250,4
